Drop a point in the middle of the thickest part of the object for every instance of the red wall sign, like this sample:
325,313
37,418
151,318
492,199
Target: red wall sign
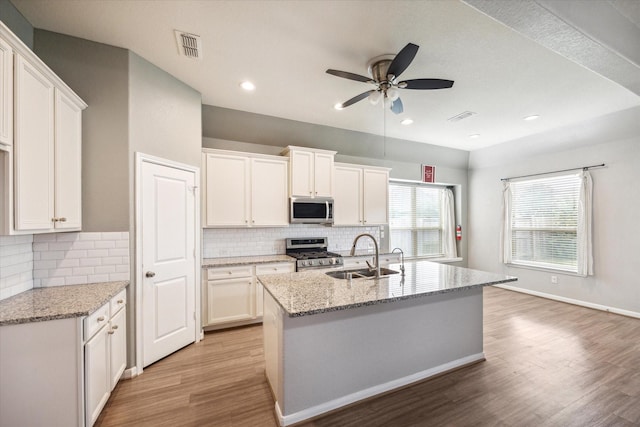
428,173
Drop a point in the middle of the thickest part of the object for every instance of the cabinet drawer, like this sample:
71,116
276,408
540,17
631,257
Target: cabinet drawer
228,272
283,267
95,321
118,301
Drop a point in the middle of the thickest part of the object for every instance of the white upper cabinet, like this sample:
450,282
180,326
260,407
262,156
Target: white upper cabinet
347,200
68,163
6,94
375,196
34,151
363,195
244,190
310,172
41,132
269,192
226,179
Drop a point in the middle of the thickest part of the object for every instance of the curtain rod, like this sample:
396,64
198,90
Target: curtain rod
584,168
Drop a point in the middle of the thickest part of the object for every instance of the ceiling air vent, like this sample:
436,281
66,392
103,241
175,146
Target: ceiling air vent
461,116
189,45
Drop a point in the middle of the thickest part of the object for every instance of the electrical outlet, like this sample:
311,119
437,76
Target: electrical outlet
554,280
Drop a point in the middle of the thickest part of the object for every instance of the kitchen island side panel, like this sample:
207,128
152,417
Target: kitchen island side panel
335,358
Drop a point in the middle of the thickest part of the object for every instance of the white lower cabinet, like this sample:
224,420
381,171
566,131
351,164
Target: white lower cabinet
233,294
105,354
61,372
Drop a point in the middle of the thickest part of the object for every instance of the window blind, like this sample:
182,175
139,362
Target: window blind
544,222
415,219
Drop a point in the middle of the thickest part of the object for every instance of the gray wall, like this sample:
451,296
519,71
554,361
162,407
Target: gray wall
242,131
17,23
99,74
614,140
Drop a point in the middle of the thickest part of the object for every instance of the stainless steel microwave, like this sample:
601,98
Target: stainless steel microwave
318,210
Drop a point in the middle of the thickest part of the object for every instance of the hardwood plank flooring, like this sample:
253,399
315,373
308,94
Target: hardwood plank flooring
548,364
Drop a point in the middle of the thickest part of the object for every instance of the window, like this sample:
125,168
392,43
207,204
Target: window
546,226
418,219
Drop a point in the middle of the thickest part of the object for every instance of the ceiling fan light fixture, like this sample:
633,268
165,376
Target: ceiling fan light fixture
474,136
375,97
532,117
338,106
406,122
393,94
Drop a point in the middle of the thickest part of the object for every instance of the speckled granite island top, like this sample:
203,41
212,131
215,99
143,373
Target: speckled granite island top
305,293
244,260
58,302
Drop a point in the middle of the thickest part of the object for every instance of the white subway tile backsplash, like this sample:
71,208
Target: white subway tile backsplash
78,258
267,241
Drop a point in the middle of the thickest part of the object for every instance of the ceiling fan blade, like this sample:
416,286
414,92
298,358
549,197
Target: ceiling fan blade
426,84
396,106
403,59
357,98
350,76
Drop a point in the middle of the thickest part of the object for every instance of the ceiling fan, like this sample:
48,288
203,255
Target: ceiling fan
384,72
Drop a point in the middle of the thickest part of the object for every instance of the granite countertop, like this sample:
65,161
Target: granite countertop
244,260
306,293
57,302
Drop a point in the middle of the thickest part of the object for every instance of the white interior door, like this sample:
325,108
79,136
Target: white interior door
168,205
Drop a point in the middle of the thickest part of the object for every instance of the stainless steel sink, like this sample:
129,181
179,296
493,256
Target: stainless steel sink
360,273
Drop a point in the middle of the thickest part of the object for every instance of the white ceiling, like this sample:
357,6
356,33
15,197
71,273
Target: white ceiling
502,70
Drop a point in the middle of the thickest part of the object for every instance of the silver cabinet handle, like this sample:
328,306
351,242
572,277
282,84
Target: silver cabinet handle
120,301
101,319
111,332
114,327
54,220
150,274
63,219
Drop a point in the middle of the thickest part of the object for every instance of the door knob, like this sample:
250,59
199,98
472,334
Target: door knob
150,274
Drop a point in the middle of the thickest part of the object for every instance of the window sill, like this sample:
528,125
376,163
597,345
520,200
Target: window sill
545,269
441,260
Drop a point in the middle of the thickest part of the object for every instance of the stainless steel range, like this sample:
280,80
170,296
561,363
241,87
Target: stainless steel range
312,253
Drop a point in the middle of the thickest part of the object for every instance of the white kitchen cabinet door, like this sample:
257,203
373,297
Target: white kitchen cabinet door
230,300
68,163
227,190
302,173
97,382
347,206
269,195
259,300
323,175
6,94
34,148
375,196
117,347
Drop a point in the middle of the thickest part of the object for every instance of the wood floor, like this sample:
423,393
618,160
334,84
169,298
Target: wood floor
548,364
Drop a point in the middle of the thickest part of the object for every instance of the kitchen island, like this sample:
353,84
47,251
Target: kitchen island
332,342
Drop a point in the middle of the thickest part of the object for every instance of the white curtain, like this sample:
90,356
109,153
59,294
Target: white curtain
505,231
585,217
448,225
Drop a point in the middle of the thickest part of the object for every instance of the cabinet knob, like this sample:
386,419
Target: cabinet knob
114,327
63,219
150,274
101,319
54,220
120,301
111,332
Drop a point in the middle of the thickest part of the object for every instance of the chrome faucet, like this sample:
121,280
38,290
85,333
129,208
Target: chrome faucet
377,265
401,259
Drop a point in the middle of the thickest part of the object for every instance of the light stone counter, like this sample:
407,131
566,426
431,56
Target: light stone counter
244,260
58,302
306,293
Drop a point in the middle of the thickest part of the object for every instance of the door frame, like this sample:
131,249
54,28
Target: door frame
141,158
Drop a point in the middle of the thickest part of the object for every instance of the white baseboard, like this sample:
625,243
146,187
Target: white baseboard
334,404
130,373
601,307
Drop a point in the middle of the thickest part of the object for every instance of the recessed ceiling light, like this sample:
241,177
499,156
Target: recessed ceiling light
474,136
532,117
338,106
406,122
248,86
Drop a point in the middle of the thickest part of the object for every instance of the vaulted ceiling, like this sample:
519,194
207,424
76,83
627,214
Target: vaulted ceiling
566,61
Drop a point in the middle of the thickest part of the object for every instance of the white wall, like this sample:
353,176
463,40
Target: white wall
616,206
16,265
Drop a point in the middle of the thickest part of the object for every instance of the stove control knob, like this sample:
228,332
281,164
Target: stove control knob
321,262
303,263
331,261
